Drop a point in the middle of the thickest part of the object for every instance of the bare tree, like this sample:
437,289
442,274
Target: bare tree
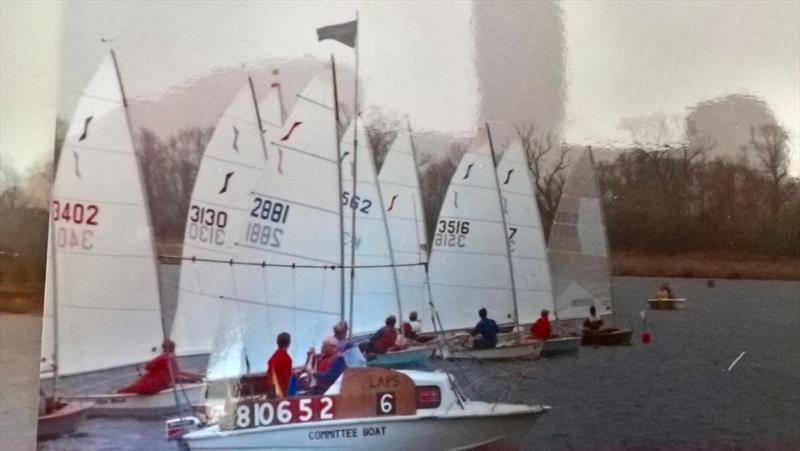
381,131
548,178
771,151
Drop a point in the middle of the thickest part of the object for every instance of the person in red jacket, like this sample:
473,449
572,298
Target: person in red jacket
279,368
541,328
158,375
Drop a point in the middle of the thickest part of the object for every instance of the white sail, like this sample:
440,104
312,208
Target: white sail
375,293
106,286
232,163
236,321
291,217
48,350
469,261
578,249
402,200
525,235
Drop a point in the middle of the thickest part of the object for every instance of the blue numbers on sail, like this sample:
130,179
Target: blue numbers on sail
356,202
451,233
266,232
207,225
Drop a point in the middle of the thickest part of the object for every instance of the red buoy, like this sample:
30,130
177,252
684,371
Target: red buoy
646,337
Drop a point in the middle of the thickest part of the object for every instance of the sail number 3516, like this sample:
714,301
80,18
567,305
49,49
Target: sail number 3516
451,233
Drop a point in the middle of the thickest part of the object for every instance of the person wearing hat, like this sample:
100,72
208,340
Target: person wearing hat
541,328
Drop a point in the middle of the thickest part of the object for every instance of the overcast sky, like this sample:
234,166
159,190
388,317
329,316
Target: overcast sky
624,59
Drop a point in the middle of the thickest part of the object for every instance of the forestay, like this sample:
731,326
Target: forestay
578,250
105,291
232,163
402,201
525,235
291,217
375,294
469,262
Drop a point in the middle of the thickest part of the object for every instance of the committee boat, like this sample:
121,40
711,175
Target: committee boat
102,313
368,409
578,252
470,262
531,269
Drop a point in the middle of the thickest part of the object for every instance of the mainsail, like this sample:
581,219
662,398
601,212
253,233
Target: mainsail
402,202
232,164
525,235
105,293
291,218
469,261
578,249
375,292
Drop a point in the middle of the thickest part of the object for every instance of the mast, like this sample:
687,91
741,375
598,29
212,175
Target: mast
52,245
505,225
353,195
341,210
144,195
605,231
258,117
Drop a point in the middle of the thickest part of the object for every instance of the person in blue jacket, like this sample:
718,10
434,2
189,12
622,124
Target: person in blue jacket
487,329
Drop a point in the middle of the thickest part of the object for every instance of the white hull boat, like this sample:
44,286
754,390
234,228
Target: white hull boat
160,404
667,304
64,419
370,409
527,349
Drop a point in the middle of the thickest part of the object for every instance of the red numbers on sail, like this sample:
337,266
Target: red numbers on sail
70,221
75,213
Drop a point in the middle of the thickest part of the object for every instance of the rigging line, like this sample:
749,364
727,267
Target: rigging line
320,104
235,163
72,146
453,285
123,309
465,185
300,151
294,202
466,218
102,202
215,204
102,99
240,119
97,254
284,307
282,265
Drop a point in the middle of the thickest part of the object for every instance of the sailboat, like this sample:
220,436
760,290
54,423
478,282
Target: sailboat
366,408
470,264
405,216
531,269
213,297
102,308
578,251
375,288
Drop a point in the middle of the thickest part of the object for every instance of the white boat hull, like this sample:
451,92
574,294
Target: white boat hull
396,433
527,349
160,404
667,304
64,420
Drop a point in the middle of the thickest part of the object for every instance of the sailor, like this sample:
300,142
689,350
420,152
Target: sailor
487,329
541,328
279,368
383,340
664,292
330,366
340,335
157,376
412,327
593,322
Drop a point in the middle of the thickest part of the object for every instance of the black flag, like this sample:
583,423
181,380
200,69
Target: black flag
343,32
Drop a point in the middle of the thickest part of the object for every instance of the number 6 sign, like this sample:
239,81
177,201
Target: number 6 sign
386,402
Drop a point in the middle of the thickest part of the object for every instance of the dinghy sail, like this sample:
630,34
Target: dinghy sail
578,248
469,262
104,295
405,217
375,289
232,164
525,235
291,220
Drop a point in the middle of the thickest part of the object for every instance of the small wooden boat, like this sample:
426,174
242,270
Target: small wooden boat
460,348
63,418
410,357
667,304
604,338
561,345
370,408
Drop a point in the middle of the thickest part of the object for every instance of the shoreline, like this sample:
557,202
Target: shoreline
706,265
